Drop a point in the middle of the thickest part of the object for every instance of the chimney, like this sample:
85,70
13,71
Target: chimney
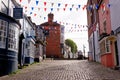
50,17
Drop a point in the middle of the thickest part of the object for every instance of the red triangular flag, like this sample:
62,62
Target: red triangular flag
45,3
45,9
66,5
35,14
25,7
64,9
20,0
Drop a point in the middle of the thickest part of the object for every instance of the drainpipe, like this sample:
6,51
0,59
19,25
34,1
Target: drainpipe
94,46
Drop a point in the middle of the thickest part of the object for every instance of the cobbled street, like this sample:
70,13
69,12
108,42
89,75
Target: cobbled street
65,70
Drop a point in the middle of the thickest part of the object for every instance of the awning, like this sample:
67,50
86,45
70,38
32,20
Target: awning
112,37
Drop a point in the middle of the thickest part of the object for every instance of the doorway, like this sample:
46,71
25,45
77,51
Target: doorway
116,55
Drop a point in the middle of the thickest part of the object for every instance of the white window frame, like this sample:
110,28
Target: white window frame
13,37
104,25
107,44
3,33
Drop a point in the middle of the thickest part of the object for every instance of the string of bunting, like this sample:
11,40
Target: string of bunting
64,7
75,30
72,29
80,28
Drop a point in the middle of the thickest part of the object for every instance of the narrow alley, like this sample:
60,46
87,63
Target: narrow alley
65,70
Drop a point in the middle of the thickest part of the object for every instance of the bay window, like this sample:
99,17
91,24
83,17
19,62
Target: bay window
3,32
13,37
105,46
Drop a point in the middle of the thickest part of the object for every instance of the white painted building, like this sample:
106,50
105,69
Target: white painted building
96,41
40,46
28,42
62,38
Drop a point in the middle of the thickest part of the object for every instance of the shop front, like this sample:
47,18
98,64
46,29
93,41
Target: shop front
9,37
107,51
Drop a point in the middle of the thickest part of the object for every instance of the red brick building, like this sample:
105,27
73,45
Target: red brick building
102,41
53,48
107,46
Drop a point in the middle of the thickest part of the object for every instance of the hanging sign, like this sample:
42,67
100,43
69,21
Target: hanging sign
18,13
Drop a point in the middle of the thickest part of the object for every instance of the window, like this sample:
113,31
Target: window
3,27
107,46
104,26
102,47
13,37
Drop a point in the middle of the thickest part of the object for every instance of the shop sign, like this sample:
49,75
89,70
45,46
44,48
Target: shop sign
18,13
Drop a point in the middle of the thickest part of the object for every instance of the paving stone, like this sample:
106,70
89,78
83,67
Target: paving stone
65,70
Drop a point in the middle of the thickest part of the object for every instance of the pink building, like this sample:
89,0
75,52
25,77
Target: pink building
102,22
106,41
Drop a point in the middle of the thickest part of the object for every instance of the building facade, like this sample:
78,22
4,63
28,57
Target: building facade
108,32
53,47
62,38
115,26
107,45
9,38
93,31
27,41
40,44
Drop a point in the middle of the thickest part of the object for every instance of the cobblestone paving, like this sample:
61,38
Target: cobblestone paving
65,70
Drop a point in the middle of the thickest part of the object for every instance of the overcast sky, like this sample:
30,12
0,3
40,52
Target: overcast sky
73,16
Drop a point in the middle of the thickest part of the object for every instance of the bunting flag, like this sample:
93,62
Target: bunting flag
64,9
79,6
37,2
58,9
45,9
102,6
59,4
45,3
95,6
70,9
108,5
66,5
84,7
38,9
25,7
52,4
32,8
76,9
44,18
20,0
35,14
72,5
51,9
29,1
30,13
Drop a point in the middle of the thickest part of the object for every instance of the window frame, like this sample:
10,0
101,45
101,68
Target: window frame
107,46
3,33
